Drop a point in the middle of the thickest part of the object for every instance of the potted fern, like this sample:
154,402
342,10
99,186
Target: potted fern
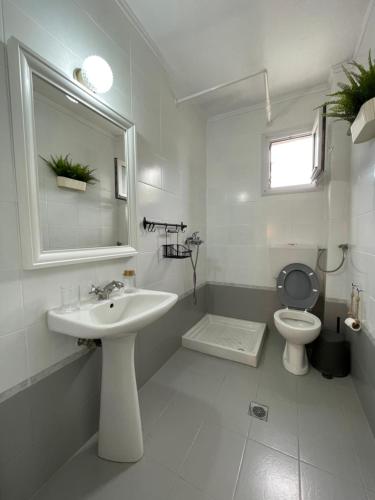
70,175
355,101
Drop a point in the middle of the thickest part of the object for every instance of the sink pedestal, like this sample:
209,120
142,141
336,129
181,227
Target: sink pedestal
120,430
116,322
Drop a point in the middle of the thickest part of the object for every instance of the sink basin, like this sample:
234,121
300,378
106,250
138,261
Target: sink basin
116,321
114,317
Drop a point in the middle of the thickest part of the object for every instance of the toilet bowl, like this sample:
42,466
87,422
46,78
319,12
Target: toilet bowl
298,290
298,328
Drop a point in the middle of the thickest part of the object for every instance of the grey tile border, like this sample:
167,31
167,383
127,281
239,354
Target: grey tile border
248,303
240,285
41,375
14,390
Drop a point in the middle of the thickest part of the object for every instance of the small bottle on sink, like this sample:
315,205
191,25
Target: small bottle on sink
129,280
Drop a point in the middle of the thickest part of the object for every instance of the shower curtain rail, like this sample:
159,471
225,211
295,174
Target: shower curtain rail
233,82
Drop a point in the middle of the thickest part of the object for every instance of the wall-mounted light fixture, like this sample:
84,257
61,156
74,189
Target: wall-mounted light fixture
95,74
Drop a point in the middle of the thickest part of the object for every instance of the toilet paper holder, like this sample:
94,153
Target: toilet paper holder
352,321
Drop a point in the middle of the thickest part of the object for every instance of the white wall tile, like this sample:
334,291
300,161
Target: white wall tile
146,107
9,241
11,304
362,230
171,177
361,265
149,165
242,223
111,21
26,29
169,124
74,29
339,200
45,348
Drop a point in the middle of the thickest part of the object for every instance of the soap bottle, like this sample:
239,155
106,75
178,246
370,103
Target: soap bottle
129,280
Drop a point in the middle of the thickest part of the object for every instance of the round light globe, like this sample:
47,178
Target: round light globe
96,74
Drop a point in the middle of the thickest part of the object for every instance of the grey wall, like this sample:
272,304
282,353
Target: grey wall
42,426
362,358
156,343
253,304
332,310
363,371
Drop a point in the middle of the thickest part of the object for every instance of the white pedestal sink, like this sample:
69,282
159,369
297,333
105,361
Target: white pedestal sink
115,321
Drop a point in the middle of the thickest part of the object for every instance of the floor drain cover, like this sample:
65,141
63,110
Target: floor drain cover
258,411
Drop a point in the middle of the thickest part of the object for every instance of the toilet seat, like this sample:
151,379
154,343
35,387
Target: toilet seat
292,323
297,287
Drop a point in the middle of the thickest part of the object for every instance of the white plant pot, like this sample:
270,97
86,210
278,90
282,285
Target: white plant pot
363,127
65,182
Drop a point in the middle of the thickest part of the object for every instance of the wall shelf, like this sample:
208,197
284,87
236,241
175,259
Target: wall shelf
176,251
363,127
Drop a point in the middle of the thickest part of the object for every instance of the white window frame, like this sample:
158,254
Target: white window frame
319,144
279,136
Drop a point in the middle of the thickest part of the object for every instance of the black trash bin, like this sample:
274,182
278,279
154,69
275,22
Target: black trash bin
330,354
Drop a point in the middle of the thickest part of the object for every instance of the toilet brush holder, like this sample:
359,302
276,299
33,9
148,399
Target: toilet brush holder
330,354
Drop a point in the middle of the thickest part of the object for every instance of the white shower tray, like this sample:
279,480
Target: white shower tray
227,338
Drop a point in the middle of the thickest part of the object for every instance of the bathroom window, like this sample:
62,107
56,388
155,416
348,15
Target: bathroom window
294,161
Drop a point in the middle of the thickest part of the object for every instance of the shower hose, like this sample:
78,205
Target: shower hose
321,251
194,263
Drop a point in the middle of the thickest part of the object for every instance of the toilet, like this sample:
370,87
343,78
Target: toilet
297,287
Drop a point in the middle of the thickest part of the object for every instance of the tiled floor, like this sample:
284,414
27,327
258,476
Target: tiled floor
200,444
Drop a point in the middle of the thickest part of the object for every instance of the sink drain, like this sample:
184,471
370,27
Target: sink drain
258,411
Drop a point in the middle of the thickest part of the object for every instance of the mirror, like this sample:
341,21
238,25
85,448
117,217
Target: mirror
68,134
75,167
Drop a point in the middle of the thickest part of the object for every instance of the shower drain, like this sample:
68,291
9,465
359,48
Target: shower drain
258,411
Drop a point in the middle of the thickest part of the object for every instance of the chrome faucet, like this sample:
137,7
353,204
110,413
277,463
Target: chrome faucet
194,239
105,292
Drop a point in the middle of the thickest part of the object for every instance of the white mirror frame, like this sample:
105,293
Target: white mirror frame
23,63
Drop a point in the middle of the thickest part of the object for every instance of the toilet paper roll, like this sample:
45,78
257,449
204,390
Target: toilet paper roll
353,324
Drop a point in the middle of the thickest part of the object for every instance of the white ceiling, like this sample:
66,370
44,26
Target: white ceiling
207,42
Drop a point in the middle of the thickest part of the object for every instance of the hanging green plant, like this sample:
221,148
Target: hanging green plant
352,95
64,167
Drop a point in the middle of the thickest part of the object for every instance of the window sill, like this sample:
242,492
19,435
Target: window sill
306,188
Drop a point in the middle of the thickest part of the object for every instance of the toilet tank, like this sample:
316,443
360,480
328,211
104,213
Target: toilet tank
282,255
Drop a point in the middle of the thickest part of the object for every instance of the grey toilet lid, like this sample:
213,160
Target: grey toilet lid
298,286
